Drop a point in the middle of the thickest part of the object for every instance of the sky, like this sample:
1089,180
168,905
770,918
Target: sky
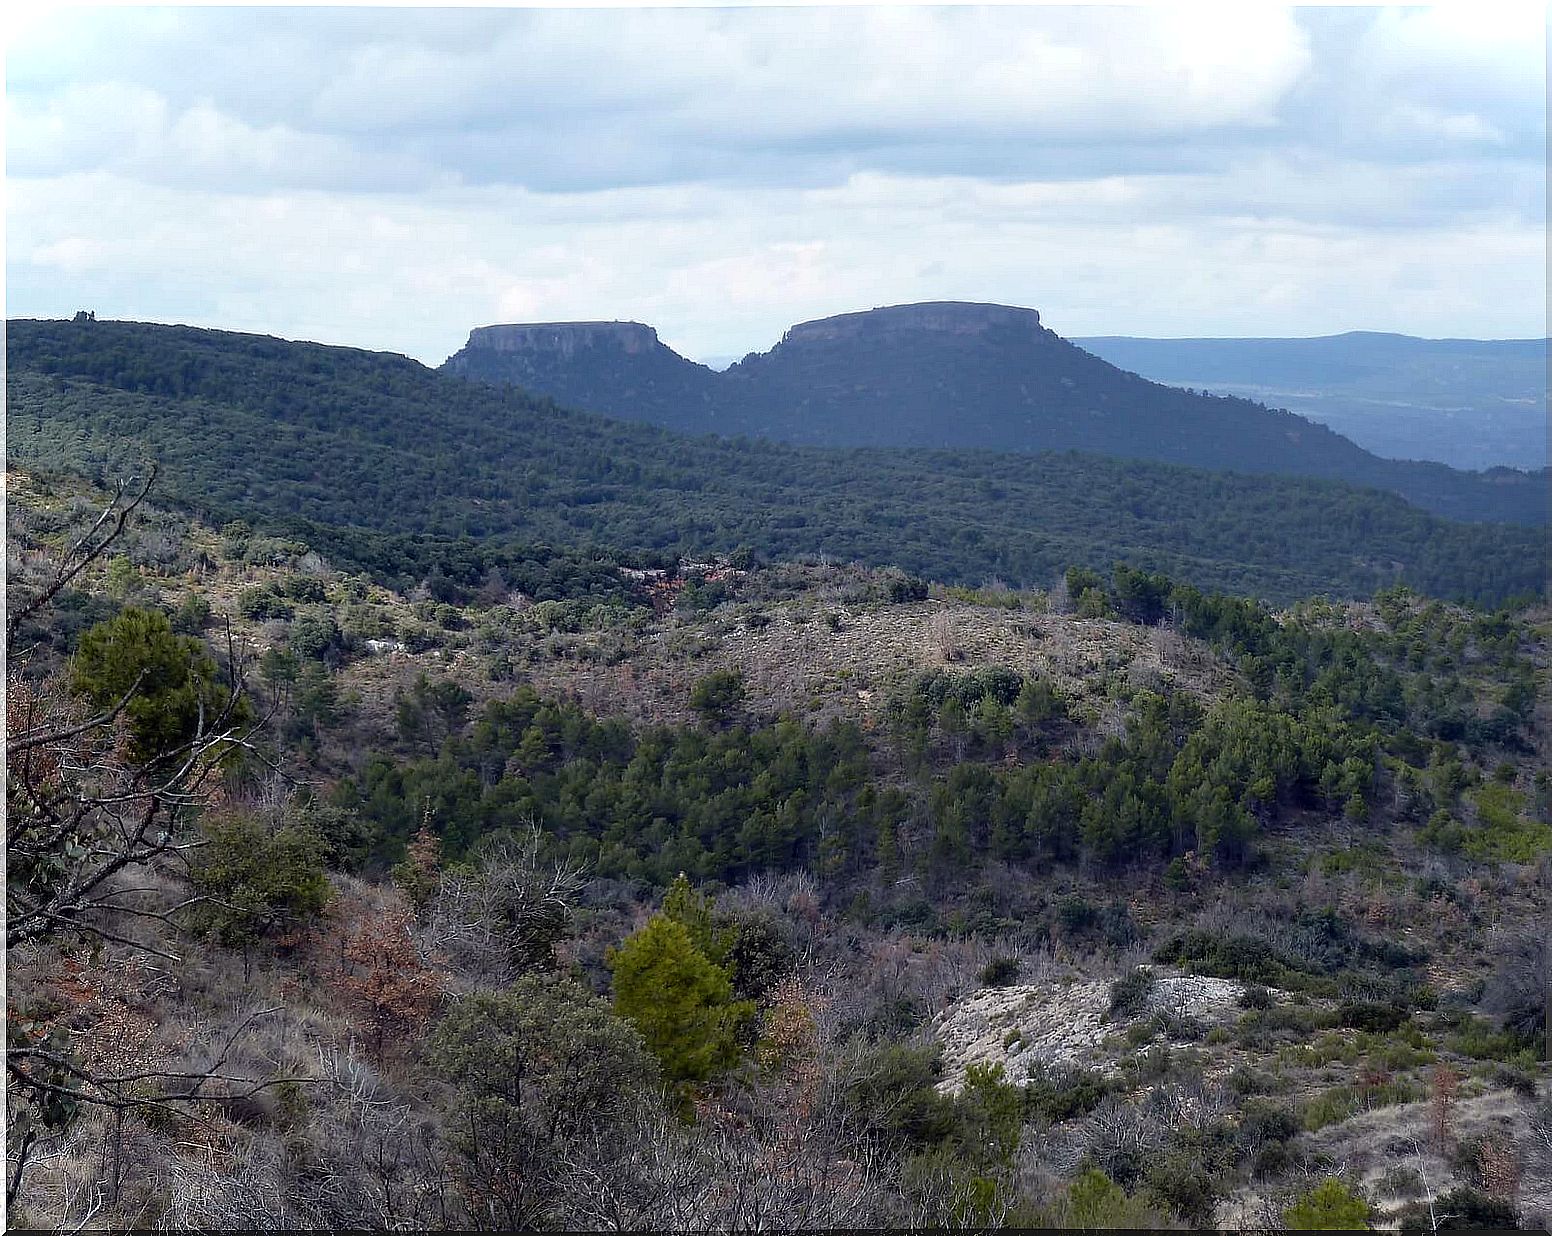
391,177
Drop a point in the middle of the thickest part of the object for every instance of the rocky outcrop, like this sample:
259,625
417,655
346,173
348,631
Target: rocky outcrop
942,317
563,339
617,368
1054,1025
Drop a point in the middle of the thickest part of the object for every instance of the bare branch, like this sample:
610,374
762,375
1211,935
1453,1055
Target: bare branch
91,546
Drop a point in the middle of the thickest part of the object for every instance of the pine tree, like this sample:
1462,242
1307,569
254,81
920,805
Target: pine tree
679,1001
1330,1206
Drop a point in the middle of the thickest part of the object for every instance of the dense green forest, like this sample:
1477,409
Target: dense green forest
385,464
1330,718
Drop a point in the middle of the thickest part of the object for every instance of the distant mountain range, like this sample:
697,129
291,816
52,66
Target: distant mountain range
958,376
1470,403
380,462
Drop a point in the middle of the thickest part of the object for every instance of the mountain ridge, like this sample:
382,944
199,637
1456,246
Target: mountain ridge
350,447
952,375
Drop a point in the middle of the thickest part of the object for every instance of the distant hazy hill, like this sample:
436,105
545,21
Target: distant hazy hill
953,375
1470,403
349,448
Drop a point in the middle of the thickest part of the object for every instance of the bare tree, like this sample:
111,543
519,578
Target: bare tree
92,831
504,918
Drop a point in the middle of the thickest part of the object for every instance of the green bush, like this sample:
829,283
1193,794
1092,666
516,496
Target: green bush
192,615
531,1067
1331,1206
718,695
759,953
890,1092
1461,1209
1093,1200
1344,1102
1370,1016
1261,1122
262,604
679,1000
1129,993
256,879
1000,972
304,588
1186,1182
170,681
1479,1039
1066,1095
1245,958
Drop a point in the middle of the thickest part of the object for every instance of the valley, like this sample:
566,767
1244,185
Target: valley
1466,402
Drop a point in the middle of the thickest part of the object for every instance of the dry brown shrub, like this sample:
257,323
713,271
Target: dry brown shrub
942,640
1498,1165
393,985
1444,1088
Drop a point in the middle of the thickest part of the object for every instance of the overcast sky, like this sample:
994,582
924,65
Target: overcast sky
389,178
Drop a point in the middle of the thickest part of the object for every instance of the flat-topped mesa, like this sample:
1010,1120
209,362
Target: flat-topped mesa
947,317
563,338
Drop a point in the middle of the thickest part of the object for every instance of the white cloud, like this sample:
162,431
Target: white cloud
391,177
692,93
413,274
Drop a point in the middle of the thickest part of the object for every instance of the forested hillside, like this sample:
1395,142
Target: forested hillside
343,448
964,376
744,897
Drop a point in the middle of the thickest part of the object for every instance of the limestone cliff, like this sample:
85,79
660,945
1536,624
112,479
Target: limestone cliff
563,339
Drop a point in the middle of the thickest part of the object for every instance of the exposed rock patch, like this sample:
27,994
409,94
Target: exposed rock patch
1052,1025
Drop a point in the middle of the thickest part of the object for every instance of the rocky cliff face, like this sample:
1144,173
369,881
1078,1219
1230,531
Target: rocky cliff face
1056,1025
617,368
943,317
563,339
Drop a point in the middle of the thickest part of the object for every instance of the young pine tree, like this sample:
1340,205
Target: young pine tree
679,1000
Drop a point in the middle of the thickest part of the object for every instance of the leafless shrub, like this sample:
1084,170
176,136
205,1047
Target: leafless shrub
233,1184
1118,1136
506,916
943,644
1520,992
372,1159
1499,1167
719,1174
92,832
1536,1178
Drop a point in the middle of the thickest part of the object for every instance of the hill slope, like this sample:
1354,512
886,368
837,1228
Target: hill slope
935,833
1470,403
344,447
954,375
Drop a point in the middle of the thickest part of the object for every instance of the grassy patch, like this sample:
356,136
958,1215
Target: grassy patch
1344,1102
1369,861
1503,832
